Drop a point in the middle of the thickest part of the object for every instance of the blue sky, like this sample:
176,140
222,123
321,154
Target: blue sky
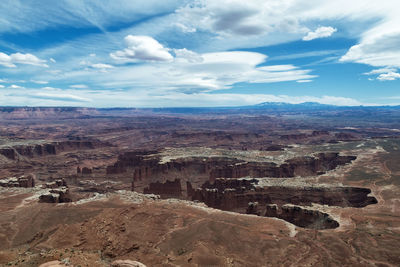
167,53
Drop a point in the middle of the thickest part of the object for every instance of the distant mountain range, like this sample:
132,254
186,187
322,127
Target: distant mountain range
266,108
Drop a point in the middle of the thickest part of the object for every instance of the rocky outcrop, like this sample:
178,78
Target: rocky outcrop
58,192
319,133
86,170
245,196
252,208
55,184
23,181
57,195
293,137
167,189
306,218
53,264
133,159
127,263
146,167
53,148
345,137
8,153
302,166
234,195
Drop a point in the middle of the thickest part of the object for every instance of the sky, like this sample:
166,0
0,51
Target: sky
151,53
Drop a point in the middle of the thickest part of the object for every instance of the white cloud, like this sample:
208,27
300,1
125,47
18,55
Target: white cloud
111,98
259,23
34,16
39,82
185,28
390,76
320,32
1,86
304,81
64,97
49,88
101,66
79,86
239,18
53,60
385,74
14,86
185,55
379,71
5,60
143,48
27,59
18,58
192,72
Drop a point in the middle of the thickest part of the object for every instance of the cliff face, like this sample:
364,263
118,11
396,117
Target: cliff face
234,195
23,181
301,217
145,165
216,182
243,196
167,189
53,148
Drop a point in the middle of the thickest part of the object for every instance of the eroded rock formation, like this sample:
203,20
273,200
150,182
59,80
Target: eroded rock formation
235,194
307,218
52,148
23,181
57,195
147,167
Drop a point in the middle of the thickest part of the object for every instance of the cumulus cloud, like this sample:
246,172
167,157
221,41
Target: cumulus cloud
260,23
238,18
320,32
142,48
19,58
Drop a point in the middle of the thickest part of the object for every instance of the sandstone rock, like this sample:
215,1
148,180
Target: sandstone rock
23,181
299,216
235,195
86,170
169,188
127,263
53,148
57,195
8,153
55,184
53,264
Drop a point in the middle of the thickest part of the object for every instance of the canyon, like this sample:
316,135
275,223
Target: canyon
209,188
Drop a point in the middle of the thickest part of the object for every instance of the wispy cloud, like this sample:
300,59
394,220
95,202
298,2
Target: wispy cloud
320,32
